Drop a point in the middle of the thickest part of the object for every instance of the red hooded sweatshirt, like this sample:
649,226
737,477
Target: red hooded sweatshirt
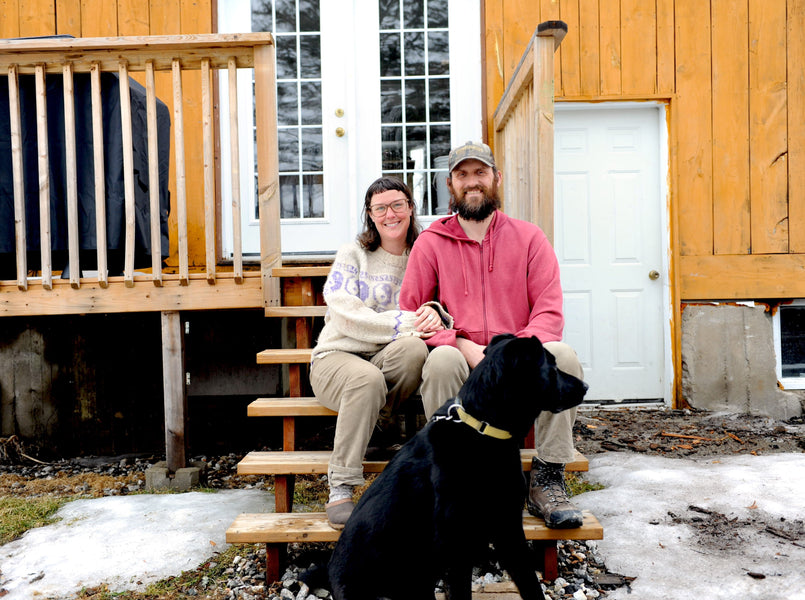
509,283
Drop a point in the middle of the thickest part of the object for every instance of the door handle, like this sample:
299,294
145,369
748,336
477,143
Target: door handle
653,275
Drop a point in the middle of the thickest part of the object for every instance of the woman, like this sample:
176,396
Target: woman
369,355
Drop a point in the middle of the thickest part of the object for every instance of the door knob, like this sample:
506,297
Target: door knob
653,275
340,131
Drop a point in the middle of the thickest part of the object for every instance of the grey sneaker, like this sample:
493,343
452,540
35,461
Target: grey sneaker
547,496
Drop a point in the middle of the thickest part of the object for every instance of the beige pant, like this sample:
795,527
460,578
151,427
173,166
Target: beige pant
358,389
446,370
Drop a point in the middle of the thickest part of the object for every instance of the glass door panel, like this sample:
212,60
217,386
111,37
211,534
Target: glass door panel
415,98
364,88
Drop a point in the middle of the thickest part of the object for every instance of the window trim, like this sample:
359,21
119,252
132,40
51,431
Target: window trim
788,383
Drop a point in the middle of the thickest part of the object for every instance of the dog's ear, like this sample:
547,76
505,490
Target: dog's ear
501,337
570,391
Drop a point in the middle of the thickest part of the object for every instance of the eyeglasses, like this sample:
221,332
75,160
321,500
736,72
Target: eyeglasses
378,210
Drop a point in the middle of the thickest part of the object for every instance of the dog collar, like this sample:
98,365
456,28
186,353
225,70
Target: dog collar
480,426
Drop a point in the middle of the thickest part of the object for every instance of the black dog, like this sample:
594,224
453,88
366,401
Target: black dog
456,487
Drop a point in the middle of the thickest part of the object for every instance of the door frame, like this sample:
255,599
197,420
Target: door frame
359,99
664,197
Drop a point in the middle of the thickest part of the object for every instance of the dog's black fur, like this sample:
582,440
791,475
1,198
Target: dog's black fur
451,491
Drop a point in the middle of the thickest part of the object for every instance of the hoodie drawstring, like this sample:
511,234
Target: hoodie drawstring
463,268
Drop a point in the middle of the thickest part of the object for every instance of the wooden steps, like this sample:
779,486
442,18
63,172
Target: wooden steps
284,356
315,463
296,311
273,528
288,407
277,529
301,291
301,271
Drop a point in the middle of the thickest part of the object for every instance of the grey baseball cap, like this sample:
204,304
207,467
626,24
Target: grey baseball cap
476,150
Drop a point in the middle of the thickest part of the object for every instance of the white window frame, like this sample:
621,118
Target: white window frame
788,383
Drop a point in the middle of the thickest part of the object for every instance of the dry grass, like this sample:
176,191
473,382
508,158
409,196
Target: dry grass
85,485
18,515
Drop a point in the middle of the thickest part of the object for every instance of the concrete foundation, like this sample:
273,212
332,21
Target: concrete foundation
729,363
159,478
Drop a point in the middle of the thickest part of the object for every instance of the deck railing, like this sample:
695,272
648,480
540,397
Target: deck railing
153,59
524,131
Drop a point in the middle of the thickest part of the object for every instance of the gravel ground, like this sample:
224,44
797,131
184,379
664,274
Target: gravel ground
241,575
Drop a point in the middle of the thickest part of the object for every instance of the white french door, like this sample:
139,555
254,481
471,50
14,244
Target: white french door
364,88
611,238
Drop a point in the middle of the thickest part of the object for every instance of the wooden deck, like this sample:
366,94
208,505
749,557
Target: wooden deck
143,296
179,77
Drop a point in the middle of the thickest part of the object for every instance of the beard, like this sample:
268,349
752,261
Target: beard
480,211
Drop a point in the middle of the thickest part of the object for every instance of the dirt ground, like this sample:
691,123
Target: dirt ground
671,433
684,433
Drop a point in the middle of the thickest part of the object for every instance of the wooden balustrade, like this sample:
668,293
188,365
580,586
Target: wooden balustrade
163,60
524,131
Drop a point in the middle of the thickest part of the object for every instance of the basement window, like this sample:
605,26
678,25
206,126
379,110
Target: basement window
789,344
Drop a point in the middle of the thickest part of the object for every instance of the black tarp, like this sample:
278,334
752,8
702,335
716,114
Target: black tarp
113,159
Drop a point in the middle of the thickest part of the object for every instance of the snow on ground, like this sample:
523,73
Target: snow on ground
673,560
124,541
130,541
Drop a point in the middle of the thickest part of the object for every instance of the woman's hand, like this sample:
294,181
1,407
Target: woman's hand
428,320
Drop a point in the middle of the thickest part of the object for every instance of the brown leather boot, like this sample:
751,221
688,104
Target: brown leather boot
547,496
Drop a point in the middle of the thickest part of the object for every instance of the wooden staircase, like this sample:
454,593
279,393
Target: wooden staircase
302,302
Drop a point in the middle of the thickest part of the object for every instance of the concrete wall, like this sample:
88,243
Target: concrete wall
729,363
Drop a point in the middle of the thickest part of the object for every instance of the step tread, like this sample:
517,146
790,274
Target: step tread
288,407
317,271
283,356
299,462
254,528
316,310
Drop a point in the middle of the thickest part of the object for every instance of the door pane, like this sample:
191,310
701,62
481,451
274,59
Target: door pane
414,11
415,66
390,54
295,25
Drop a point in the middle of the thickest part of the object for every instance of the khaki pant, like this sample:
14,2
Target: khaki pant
358,389
446,370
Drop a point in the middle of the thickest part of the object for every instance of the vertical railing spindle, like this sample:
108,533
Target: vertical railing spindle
234,147
128,172
100,175
153,173
181,184
209,175
43,154
71,175
18,176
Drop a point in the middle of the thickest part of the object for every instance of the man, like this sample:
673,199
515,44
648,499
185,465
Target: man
493,274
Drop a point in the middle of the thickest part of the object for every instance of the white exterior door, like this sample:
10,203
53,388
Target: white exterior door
364,89
611,237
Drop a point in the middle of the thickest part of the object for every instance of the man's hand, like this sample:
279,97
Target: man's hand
473,353
428,321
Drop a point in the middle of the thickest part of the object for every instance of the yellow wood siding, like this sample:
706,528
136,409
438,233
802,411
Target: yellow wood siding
732,73
796,125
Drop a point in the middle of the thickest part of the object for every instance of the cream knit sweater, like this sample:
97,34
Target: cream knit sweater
362,293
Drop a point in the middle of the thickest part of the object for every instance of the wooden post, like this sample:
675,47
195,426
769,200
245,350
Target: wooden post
265,100
549,35
174,390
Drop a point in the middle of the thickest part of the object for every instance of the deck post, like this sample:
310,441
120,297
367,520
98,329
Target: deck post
175,396
546,41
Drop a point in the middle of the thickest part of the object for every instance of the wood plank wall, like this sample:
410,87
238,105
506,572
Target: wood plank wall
733,75
103,18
